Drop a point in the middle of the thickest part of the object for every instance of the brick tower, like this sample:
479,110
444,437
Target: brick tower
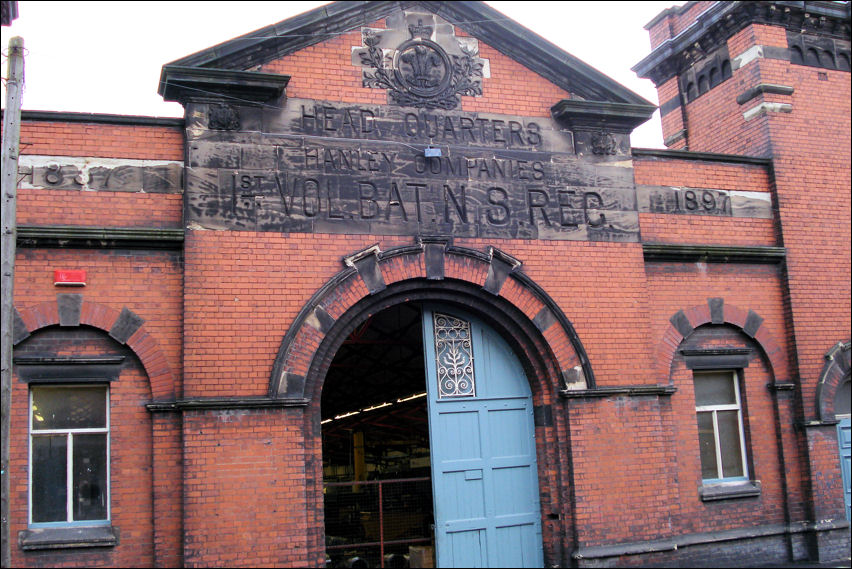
771,79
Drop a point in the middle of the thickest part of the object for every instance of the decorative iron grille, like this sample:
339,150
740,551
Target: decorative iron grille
454,355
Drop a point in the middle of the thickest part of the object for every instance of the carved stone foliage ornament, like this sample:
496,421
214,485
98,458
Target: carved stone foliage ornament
417,70
223,117
603,143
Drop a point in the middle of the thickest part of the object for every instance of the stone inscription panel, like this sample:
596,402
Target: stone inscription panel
310,175
703,201
161,178
409,125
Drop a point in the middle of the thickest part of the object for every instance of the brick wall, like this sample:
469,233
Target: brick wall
69,207
241,296
244,495
62,138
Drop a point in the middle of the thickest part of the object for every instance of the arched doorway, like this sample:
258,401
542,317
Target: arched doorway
489,285
464,490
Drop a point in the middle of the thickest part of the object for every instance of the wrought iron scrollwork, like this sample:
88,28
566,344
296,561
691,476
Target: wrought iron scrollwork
454,355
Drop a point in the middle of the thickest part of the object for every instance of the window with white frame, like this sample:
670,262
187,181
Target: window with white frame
720,426
69,455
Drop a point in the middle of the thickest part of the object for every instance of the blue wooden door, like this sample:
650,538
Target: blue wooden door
484,477
844,440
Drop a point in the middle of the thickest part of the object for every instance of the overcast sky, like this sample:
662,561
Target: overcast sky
105,57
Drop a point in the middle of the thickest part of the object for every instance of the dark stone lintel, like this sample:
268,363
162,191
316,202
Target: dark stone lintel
62,369
69,236
98,118
818,423
672,104
225,404
593,115
717,310
182,84
324,318
629,390
544,319
728,491
752,323
665,252
500,266
19,328
125,326
366,262
66,538
716,358
67,360
705,156
676,137
762,88
70,305
681,323
434,249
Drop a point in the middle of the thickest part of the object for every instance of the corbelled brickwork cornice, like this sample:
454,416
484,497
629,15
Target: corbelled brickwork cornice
724,19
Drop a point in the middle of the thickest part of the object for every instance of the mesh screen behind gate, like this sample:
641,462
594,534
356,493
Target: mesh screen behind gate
374,523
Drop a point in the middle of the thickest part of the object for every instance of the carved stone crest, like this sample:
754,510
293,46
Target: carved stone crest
222,117
420,72
604,143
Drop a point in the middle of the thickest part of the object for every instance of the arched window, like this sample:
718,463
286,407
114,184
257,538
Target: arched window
726,69
826,59
812,57
691,92
714,77
703,85
796,55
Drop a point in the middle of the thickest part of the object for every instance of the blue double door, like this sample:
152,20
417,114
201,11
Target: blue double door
482,439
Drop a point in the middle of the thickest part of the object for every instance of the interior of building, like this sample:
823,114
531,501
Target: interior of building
376,445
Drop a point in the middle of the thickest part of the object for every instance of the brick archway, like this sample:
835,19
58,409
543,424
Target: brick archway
835,371
488,285
125,327
454,274
684,322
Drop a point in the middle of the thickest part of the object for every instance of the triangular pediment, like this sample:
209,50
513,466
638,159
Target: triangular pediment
476,19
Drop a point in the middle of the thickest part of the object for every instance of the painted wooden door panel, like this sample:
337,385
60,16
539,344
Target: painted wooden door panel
844,441
484,476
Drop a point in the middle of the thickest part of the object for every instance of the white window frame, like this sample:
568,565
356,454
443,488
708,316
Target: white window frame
737,406
69,476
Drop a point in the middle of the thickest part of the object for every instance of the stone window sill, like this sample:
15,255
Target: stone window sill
69,537
729,490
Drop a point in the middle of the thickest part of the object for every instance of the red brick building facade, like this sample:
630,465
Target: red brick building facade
209,309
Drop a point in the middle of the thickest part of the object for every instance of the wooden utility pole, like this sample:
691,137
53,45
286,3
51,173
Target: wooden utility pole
9,190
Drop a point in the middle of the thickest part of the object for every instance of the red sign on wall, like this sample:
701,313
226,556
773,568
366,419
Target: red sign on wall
69,278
